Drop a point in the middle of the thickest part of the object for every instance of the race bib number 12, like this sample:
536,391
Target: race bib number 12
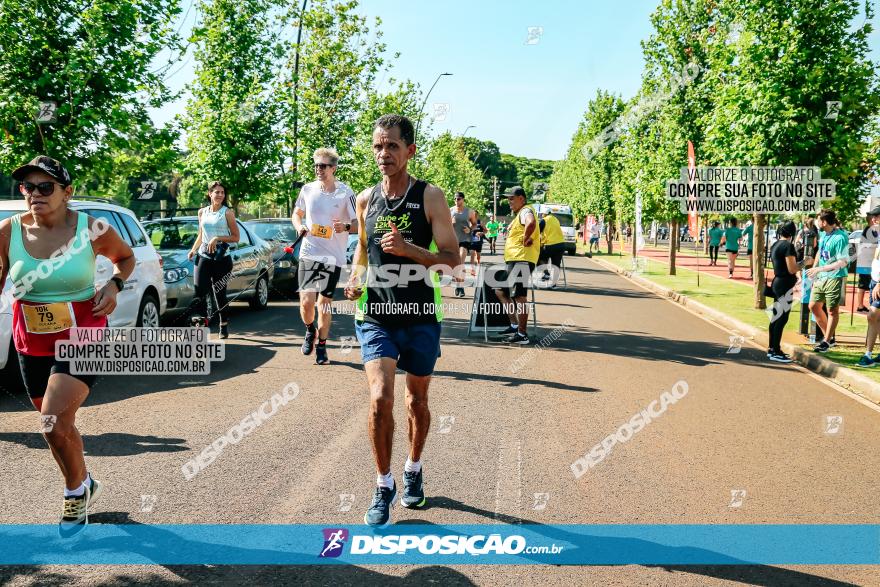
48,318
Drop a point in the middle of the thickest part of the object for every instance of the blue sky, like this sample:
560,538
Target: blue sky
528,98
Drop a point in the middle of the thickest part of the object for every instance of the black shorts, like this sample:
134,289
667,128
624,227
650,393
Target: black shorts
518,277
865,281
466,245
477,247
318,277
35,372
491,239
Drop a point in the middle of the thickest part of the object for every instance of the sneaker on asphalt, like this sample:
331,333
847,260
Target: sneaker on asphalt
822,347
75,515
309,342
866,361
413,495
508,330
518,338
379,513
321,355
780,358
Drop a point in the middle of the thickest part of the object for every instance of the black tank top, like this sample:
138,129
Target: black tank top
382,302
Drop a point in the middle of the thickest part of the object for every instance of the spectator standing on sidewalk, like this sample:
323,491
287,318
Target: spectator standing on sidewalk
829,277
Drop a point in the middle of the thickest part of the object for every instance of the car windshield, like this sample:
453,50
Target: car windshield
564,219
273,231
172,235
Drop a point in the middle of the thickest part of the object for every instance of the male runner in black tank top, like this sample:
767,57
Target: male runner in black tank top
398,327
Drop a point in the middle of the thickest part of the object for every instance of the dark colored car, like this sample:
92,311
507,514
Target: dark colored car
279,233
252,267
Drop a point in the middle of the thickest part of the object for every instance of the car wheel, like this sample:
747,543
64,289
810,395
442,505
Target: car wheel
260,301
148,314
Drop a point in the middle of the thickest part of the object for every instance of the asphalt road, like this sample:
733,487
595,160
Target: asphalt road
500,435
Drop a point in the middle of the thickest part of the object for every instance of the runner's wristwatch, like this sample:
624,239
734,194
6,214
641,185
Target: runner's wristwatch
120,283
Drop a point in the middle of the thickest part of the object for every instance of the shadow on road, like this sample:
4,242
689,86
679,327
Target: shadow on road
161,542
109,444
749,574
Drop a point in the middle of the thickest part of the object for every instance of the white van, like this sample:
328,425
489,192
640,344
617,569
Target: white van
564,215
139,304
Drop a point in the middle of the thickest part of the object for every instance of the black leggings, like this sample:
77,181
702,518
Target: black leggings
212,273
781,311
553,254
713,253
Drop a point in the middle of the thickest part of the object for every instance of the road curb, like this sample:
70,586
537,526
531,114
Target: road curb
848,378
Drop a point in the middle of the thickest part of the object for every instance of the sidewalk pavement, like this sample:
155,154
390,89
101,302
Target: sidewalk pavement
687,259
839,374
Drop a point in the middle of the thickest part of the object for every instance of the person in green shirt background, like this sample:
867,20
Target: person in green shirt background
730,240
750,233
492,232
829,277
715,234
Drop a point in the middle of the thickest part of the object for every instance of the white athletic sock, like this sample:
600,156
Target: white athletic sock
412,467
385,480
75,492
514,325
868,354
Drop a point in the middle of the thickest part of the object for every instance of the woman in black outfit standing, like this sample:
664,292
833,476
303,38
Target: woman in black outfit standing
785,270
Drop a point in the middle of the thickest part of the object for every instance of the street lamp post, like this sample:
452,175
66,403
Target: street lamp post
467,129
296,100
422,109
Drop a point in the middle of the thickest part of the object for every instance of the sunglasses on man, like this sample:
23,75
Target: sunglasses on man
46,188
323,166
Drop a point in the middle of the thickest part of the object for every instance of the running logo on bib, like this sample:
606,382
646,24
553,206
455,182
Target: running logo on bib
322,231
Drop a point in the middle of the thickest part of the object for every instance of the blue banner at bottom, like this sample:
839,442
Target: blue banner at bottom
611,544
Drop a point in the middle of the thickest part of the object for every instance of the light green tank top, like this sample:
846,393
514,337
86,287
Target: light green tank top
67,277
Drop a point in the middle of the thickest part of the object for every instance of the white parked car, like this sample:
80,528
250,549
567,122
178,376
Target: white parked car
139,304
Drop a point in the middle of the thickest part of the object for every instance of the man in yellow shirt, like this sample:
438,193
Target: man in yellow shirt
521,250
552,246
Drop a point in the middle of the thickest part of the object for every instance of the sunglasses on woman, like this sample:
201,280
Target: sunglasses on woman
46,188
323,166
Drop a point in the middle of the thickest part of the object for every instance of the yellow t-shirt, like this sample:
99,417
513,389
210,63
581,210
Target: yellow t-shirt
514,250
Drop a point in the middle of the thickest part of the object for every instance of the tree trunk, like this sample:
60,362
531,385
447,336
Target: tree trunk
673,242
677,236
758,260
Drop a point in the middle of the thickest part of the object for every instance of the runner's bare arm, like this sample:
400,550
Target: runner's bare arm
529,228
297,219
360,259
198,243
233,229
5,234
441,227
109,244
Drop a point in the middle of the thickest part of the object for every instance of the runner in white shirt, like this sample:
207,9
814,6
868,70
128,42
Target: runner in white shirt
324,212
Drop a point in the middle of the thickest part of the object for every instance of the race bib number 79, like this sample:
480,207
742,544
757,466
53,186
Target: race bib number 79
48,318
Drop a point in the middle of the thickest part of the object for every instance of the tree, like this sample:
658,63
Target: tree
89,65
584,179
231,117
778,115
339,59
450,169
360,170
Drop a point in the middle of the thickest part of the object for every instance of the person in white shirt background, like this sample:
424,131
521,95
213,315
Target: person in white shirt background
867,246
324,213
